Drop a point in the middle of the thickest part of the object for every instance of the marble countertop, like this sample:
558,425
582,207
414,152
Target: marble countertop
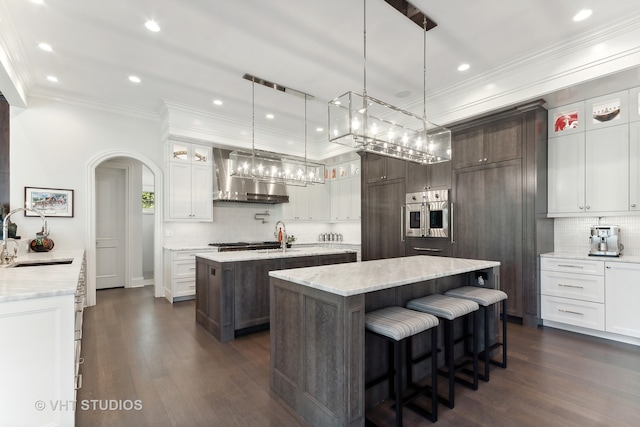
20,283
621,258
368,276
206,247
236,256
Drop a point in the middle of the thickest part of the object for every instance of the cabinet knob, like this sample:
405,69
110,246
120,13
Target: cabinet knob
633,205
588,207
580,207
484,160
480,161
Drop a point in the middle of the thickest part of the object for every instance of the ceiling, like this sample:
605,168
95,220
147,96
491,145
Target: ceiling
517,51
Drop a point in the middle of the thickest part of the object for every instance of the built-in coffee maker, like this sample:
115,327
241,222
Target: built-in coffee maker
605,241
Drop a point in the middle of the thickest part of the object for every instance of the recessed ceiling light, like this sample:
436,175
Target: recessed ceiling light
152,26
53,79
217,102
582,15
134,79
319,129
463,67
270,116
37,1
45,46
403,93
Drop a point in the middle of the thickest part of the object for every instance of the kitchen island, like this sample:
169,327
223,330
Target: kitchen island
41,303
318,346
232,288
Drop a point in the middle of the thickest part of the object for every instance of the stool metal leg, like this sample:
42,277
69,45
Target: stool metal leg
476,318
397,354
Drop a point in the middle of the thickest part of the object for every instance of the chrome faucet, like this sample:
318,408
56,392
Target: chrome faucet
283,244
4,257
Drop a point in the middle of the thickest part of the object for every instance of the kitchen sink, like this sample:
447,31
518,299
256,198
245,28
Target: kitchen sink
40,263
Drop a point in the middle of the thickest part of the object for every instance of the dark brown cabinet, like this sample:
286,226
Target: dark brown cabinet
382,168
427,177
488,143
428,246
382,207
488,216
500,203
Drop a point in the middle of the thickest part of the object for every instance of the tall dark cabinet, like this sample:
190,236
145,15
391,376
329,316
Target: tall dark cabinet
383,192
498,182
499,192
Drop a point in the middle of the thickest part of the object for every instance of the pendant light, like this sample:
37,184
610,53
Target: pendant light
273,167
368,124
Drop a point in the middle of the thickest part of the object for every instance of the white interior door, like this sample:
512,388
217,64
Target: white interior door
110,227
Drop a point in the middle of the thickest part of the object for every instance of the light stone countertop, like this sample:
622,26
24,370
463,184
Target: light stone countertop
296,251
368,276
21,283
621,258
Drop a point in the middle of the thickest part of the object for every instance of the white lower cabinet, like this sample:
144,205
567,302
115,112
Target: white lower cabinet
40,341
623,296
180,274
572,292
598,295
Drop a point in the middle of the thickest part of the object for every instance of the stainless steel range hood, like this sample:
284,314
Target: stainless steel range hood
227,188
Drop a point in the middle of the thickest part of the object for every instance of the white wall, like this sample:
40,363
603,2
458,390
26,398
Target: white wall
51,145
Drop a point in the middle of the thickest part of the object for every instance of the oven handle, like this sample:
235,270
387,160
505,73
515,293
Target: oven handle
451,222
427,249
402,219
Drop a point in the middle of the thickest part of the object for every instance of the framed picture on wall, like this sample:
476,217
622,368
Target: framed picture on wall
566,120
50,201
608,110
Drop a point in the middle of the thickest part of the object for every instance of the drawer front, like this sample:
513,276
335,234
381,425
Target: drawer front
184,287
184,255
579,313
184,268
576,286
573,265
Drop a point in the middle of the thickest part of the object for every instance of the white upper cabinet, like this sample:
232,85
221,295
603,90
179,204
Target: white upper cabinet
594,157
566,174
634,166
607,169
189,182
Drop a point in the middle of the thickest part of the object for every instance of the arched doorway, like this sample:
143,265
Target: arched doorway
90,243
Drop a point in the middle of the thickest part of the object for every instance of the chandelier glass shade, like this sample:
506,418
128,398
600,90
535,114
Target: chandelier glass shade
275,168
368,124
271,167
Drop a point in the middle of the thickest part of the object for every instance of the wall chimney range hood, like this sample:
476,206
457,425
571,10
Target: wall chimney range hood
227,188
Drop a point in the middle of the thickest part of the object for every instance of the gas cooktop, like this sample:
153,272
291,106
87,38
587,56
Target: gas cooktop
245,246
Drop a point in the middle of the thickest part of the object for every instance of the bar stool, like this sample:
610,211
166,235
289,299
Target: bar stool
450,309
397,324
485,298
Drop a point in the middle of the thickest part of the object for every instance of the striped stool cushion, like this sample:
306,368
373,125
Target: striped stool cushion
442,306
398,323
483,296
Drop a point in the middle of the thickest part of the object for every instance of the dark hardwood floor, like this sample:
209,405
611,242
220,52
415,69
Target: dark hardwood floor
137,347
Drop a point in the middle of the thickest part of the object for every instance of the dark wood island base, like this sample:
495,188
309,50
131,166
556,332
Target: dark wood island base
232,288
318,347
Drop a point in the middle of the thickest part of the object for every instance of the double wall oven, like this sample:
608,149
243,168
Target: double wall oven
428,224
427,214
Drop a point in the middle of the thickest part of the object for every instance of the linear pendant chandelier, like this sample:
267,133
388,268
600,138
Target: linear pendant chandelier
367,124
272,167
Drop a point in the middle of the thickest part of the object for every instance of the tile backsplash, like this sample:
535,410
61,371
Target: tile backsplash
235,222
572,234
